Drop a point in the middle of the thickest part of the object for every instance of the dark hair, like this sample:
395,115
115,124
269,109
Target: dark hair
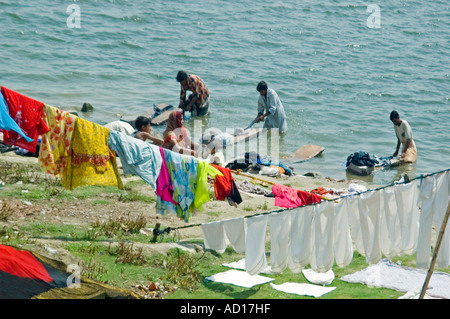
141,121
394,115
182,75
261,86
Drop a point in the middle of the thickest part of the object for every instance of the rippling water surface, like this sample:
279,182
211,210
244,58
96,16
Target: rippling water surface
337,75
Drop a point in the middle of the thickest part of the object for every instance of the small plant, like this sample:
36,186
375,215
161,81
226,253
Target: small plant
115,226
11,173
125,254
12,237
181,270
133,196
6,211
93,270
263,206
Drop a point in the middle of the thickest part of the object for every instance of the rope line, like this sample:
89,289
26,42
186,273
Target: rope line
422,176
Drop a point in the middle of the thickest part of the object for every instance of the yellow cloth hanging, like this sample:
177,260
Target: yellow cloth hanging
92,162
55,144
201,192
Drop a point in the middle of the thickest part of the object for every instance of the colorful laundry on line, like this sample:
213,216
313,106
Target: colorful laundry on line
92,162
56,143
27,113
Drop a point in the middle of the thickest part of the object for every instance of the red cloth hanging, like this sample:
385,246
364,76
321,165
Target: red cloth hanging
27,113
222,184
22,263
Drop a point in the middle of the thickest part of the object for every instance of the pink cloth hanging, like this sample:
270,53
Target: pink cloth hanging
289,197
163,183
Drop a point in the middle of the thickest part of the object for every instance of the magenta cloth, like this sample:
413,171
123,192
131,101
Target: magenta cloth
27,113
289,197
163,183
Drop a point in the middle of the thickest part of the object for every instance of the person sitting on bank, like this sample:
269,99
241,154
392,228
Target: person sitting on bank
270,109
405,138
198,102
176,137
143,132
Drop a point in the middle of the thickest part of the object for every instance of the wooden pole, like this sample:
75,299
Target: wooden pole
238,172
436,250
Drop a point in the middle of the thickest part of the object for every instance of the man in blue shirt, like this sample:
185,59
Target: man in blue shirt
270,109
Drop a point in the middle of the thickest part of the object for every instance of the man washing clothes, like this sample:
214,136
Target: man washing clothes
404,138
270,109
198,102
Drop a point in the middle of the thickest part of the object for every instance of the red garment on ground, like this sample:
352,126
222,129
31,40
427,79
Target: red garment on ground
289,197
222,184
22,263
27,113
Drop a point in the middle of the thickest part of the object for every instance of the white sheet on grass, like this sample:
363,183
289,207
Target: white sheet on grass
239,278
302,289
387,274
319,278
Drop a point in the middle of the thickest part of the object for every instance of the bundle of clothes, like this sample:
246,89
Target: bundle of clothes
84,153
253,162
365,159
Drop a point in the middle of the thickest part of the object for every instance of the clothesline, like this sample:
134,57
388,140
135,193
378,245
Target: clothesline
83,153
340,197
333,199
384,221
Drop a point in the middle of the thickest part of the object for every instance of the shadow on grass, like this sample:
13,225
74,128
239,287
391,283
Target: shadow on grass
230,291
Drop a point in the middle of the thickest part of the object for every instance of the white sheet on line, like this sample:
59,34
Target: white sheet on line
406,196
234,230
218,235
279,240
255,245
322,256
369,218
440,203
343,244
214,236
391,242
301,237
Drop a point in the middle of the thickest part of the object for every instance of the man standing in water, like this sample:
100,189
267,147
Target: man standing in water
270,109
198,102
404,138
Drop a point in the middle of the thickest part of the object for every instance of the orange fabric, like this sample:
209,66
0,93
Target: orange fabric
321,191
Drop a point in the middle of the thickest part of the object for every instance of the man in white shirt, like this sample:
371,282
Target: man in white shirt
405,138
270,109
